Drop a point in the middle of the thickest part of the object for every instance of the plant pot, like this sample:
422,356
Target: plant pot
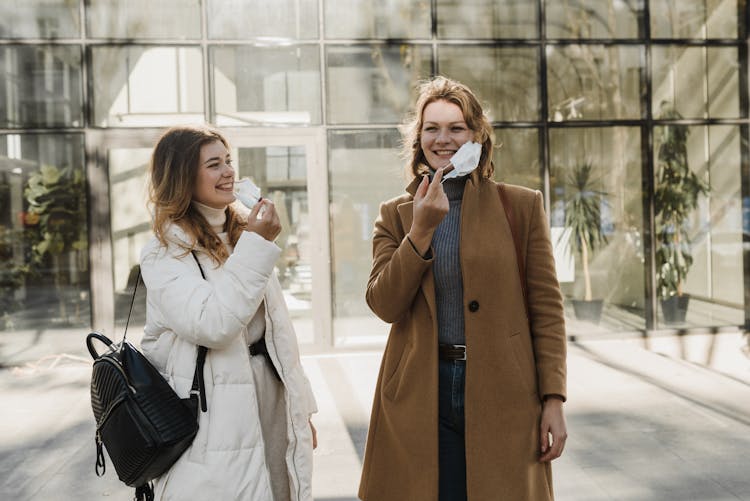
674,308
588,310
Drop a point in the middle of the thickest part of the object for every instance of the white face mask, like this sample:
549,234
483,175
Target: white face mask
464,161
247,192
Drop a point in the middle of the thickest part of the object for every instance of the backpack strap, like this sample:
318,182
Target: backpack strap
199,385
132,302
516,243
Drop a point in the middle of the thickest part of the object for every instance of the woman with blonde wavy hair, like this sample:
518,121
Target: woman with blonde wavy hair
209,273
469,399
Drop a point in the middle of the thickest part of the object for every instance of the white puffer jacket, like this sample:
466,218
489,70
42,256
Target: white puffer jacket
226,461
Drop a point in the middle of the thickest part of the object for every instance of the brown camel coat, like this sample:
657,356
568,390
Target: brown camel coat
511,362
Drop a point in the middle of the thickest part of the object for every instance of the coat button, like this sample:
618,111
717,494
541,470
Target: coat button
473,306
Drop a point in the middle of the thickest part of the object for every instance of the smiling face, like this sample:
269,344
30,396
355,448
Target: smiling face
214,184
443,132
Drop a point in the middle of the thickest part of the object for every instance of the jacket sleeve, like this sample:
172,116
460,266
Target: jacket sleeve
397,268
547,319
214,313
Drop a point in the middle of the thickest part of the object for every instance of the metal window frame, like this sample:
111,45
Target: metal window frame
646,123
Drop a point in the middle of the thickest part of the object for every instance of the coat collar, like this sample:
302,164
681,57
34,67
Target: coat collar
174,233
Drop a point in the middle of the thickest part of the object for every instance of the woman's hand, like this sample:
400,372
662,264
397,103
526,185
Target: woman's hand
430,207
553,423
267,225
314,435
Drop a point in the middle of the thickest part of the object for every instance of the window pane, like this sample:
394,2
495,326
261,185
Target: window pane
487,19
594,82
126,92
254,85
377,19
697,82
516,157
506,80
143,18
235,19
698,234
364,170
693,18
41,86
281,174
593,19
725,208
44,281
373,83
130,224
39,19
613,271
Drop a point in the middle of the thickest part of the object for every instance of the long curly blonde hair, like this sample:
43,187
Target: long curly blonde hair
173,172
443,88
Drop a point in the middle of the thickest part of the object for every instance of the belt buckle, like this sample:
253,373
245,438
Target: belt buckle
464,348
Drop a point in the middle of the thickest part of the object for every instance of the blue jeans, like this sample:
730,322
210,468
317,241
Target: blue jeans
451,445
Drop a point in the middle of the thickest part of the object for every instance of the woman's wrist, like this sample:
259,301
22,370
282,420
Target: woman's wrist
424,255
420,240
554,397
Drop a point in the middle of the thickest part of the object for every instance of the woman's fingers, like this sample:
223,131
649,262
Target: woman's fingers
422,188
267,225
430,204
254,211
552,423
436,179
554,450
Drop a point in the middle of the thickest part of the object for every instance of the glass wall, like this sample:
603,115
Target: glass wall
506,78
582,165
647,102
364,170
41,86
125,92
269,85
373,83
130,227
40,19
143,19
43,232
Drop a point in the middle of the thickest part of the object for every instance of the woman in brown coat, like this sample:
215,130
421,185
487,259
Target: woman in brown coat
469,399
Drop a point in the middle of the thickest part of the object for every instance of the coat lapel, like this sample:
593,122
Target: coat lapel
486,248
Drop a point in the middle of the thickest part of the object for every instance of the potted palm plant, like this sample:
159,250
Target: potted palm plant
583,218
676,193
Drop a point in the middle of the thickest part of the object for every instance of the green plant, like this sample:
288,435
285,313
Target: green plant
676,193
57,198
57,211
583,218
12,274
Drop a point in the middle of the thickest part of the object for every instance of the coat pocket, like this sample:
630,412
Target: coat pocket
392,383
524,360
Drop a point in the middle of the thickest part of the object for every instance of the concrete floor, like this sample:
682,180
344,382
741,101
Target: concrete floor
643,424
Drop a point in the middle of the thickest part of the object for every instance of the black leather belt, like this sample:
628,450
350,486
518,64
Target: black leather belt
451,352
260,348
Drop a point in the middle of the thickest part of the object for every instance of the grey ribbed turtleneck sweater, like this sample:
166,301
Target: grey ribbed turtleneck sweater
446,267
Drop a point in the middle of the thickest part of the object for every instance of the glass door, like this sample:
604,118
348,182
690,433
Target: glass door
287,166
